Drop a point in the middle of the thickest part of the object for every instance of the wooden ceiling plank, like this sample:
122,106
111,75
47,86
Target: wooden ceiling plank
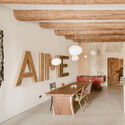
100,40
37,15
85,25
72,37
97,38
62,1
89,32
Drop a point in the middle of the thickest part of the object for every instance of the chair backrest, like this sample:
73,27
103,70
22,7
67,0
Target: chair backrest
63,84
53,86
81,94
88,88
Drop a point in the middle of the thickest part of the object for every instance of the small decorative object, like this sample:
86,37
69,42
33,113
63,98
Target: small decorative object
1,58
56,61
90,80
75,58
93,52
73,86
85,56
75,50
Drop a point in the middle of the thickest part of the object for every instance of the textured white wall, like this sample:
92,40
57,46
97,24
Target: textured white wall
104,51
18,37
124,98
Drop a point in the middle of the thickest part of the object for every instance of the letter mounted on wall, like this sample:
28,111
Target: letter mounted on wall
62,66
27,60
41,67
48,65
45,66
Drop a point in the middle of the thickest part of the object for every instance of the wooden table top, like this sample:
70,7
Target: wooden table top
68,90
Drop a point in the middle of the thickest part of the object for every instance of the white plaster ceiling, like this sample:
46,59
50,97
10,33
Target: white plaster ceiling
68,7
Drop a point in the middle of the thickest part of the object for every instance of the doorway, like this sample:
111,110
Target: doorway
115,70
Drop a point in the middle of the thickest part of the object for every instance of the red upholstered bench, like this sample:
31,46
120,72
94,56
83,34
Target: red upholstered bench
96,80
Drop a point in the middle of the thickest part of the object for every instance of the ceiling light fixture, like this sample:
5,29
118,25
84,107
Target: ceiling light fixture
75,58
85,56
56,61
93,52
75,50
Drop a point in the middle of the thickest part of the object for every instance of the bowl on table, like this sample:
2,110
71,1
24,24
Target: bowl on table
73,86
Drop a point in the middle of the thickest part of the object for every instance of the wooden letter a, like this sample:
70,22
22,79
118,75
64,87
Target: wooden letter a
32,73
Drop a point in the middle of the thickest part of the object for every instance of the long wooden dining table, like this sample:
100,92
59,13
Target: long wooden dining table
63,103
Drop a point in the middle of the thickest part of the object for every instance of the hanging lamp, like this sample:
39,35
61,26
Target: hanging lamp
56,61
93,52
85,56
75,58
75,50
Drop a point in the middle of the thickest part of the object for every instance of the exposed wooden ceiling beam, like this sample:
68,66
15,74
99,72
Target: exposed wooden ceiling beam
89,32
63,1
73,37
82,36
37,15
106,38
86,25
99,40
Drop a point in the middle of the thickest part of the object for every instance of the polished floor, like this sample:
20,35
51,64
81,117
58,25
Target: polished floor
105,108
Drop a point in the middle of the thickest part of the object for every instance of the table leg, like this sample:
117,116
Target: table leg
63,105
97,86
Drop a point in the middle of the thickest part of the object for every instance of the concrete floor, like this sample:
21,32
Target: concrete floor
105,108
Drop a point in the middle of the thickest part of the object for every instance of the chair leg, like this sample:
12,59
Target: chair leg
85,101
81,106
51,104
86,98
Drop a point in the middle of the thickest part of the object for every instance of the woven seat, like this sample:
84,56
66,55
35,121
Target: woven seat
76,98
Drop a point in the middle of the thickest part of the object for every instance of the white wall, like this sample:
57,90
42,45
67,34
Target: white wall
124,95
104,51
18,37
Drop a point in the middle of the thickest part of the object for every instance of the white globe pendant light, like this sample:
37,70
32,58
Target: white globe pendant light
75,58
75,50
93,52
56,61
